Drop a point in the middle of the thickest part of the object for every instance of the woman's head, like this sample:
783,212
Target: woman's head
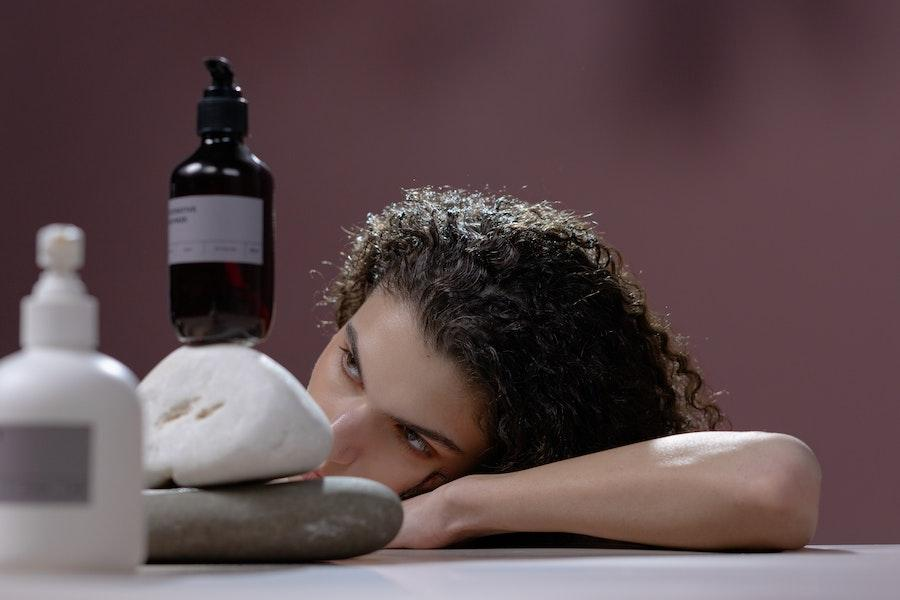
545,344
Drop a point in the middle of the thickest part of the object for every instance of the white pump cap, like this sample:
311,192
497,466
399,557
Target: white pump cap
59,312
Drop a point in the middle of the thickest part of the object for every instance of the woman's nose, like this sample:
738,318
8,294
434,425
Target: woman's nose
349,436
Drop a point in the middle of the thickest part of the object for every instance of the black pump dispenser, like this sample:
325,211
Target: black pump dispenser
221,226
223,107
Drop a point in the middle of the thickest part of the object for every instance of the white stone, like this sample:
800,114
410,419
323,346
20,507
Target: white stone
226,413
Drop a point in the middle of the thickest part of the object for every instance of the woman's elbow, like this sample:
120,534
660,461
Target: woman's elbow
789,492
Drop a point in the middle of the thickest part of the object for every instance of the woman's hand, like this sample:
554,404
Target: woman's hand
425,523
441,517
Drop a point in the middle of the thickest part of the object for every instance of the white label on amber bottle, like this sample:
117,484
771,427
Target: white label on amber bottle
215,228
44,463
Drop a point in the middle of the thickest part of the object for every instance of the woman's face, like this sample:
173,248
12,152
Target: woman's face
401,414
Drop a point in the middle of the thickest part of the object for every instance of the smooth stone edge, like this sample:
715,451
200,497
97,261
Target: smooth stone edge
391,506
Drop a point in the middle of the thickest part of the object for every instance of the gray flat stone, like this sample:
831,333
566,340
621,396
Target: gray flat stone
298,521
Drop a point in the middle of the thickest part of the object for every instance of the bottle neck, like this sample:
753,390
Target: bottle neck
59,314
221,137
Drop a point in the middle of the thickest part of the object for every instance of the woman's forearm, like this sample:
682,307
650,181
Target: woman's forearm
705,490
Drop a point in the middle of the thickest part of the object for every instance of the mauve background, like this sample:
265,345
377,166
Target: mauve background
743,156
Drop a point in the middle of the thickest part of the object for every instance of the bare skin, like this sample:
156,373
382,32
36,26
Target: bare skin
398,409
401,414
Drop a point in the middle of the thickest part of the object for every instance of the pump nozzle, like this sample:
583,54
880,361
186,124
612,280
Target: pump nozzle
220,69
60,247
59,312
223,108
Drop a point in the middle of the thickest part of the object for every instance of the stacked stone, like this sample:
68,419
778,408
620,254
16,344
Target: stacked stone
221,422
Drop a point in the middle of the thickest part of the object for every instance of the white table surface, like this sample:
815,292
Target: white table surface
816,572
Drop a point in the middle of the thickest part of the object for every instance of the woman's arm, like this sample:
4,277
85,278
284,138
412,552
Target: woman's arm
712,490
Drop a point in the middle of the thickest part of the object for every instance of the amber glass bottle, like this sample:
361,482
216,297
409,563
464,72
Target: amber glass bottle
221,221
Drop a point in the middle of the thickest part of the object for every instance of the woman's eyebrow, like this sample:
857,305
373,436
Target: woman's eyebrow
351,335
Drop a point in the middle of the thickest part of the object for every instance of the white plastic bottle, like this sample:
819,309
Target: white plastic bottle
70,430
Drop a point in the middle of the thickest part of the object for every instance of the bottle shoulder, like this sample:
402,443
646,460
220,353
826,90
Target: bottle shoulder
229,154
263,166
63,373
222,169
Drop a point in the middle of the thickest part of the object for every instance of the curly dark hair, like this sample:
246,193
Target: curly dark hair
539,314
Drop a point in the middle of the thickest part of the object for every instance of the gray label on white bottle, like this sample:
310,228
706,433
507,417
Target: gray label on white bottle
215,228
44,463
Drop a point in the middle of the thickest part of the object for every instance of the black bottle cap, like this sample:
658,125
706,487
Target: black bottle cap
222,109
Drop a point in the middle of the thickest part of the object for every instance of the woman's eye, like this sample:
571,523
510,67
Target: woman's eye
415,441
348,361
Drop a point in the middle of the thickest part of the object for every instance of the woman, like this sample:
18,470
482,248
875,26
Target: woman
497,367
